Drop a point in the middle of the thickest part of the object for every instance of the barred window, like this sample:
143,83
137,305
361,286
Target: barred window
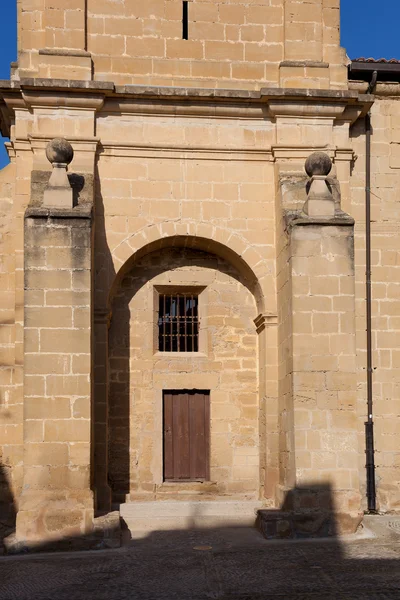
178,323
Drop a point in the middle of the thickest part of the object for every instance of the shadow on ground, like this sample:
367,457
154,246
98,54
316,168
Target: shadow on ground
220,563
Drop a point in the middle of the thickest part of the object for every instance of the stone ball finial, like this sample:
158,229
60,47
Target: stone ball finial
318,163
59,150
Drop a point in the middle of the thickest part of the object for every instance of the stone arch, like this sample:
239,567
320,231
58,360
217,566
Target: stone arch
227,364
215,240
222,243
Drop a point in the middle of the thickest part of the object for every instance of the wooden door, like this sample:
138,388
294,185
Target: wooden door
186,435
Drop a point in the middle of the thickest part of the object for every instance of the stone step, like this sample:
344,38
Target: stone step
306,523
170,515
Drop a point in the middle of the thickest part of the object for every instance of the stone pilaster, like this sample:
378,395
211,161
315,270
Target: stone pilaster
267,330
57,499
100,411
324,358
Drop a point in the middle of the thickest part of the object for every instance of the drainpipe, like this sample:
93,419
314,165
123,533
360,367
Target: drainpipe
369,425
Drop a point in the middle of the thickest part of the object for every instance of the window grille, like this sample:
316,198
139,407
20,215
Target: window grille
178,323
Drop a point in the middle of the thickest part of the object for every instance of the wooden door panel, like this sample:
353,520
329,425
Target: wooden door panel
168,443
186,435
180,438
199,426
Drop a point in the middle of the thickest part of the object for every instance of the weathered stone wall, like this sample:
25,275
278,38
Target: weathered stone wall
285,356
57,375
222,202
230,44
226,365
324,357
385,183
192,189
15,188
10,404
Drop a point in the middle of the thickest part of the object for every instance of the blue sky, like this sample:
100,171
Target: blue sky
369,28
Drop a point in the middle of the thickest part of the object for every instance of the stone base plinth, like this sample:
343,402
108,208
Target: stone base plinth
306,524
101,533
44,516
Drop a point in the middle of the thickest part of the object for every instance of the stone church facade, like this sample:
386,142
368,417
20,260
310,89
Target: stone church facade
182,314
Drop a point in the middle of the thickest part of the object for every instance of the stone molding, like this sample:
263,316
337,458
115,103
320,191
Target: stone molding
30,93
344,155
115,148
102,316
37,143
382,89
81,144
64,52
304,63
354,96
82,211
168,91
264,320
299,152
296,218
288,107
40,98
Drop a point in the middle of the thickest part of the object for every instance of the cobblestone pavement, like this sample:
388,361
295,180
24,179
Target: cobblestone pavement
226,564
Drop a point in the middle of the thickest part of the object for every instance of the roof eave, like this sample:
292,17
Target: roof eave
364,70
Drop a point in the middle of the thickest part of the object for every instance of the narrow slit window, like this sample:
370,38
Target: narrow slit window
178,323
185,20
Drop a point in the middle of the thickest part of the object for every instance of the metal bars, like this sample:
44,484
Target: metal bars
178,323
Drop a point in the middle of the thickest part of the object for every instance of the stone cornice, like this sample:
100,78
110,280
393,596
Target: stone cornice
298,152
298,217
80,143
343,105
83,211
64,52
336,154
164,92
42,97
382,88
171,91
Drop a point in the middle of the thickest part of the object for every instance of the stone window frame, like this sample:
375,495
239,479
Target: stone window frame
202,293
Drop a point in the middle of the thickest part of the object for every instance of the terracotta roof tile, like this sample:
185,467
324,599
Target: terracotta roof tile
376,60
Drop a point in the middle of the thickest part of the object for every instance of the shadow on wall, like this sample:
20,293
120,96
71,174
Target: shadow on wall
8,511
305,513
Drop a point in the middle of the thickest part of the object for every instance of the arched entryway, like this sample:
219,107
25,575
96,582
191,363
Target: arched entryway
223,365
